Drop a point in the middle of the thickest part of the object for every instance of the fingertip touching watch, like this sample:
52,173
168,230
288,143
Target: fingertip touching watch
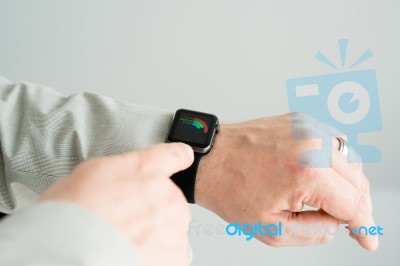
198,130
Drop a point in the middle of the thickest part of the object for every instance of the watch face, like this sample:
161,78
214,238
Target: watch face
193,128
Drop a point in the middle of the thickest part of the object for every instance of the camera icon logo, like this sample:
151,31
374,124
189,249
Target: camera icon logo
347,101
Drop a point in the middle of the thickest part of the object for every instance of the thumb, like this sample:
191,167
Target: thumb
167,158
316,227
304,228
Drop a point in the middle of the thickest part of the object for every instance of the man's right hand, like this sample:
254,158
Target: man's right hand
135,193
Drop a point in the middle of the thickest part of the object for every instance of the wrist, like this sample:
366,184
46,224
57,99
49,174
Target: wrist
210,170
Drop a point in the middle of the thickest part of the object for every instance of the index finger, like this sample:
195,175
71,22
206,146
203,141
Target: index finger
363,219
341,199
327,190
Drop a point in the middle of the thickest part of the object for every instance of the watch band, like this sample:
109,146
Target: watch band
186,179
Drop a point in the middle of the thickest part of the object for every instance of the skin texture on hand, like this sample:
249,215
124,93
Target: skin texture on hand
253,174
134,192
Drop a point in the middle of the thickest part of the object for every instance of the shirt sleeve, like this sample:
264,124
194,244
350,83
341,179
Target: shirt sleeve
62,234
44,135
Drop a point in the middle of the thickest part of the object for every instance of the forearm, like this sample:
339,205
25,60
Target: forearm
44,135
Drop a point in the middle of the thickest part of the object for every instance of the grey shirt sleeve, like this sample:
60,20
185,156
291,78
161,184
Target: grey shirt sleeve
43,135
62,234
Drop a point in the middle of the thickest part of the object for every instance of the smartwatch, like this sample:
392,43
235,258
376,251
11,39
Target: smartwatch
198,130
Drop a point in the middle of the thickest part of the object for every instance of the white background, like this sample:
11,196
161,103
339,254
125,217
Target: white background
231,58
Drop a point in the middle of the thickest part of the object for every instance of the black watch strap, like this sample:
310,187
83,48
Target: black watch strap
186,179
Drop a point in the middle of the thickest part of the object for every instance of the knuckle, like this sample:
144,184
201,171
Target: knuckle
300,117
303,131
312,158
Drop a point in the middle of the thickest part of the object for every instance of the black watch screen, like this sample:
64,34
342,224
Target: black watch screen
194,128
